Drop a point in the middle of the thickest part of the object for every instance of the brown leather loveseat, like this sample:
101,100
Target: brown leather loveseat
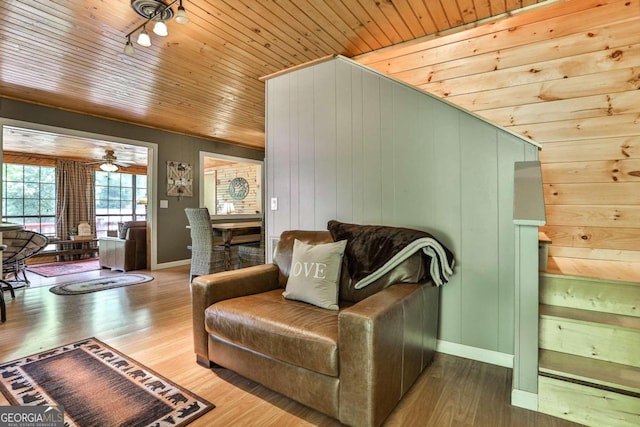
353,364
127,251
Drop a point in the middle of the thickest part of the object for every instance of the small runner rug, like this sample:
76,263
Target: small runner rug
99,284
98,386
53,269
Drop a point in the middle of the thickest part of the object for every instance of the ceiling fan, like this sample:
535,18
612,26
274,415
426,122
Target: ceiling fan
110,162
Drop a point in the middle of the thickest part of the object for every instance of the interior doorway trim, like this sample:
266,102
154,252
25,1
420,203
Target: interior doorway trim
152,168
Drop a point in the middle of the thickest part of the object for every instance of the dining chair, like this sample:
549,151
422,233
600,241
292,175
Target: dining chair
206,258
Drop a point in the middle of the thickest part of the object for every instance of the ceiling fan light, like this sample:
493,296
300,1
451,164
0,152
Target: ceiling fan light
144,39
161,29
108,167
128,48
181,15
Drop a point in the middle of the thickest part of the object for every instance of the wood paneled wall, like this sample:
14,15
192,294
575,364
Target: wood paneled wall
567,76
347,143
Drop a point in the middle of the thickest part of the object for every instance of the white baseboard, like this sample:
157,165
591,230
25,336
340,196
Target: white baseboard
474,353
171,264
524,399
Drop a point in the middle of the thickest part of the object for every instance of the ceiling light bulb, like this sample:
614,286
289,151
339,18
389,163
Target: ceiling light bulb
181,15
128,48
161,29
108,167
144,39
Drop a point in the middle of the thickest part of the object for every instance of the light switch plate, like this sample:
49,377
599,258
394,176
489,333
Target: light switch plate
164,204
274,203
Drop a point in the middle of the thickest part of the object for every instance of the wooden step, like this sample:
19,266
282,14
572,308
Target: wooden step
587,405
609,296
597,372
603,336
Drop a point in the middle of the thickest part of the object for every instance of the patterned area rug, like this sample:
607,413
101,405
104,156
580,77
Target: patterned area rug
99,284
53,269
98,386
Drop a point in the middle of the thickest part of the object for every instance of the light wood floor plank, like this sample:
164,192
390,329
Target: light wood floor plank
151,323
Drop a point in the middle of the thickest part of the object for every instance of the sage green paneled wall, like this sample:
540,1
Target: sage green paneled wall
346,143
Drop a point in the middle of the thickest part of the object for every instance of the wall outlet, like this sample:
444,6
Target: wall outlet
274,203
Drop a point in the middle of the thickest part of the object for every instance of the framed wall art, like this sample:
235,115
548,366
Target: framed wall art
179,179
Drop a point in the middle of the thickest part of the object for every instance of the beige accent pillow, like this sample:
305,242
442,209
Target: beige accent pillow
314,274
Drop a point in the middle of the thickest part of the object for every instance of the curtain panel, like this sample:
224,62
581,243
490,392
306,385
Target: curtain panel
75,187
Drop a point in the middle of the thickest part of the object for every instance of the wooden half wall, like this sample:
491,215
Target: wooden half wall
347,143
567,76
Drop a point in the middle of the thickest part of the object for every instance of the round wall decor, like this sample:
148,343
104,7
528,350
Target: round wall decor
238,188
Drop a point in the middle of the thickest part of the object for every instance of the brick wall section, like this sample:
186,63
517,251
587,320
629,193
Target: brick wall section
224,176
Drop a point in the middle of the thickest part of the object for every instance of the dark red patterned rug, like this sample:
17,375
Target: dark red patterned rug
97,385
53,269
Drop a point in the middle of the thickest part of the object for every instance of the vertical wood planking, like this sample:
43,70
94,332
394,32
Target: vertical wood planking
306,149
293,144
325,162
408,146
357,144
373,151
480,233
278,154
371,125
428,115
388,171
446,203
344,142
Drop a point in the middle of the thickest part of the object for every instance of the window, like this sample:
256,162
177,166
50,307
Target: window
29,196
119,197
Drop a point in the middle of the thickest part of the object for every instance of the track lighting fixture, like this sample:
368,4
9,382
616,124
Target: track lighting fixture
160,29
157,11
128,47
143,38
181,15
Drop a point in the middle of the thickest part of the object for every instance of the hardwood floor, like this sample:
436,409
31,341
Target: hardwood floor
151,322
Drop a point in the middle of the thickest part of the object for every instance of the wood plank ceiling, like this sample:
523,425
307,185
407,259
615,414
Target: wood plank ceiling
203,78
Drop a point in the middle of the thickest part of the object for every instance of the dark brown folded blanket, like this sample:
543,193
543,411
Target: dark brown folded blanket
373,250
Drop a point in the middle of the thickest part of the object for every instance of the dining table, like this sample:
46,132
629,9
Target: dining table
228,229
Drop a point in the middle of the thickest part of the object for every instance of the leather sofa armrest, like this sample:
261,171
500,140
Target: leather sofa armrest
374,336
211,288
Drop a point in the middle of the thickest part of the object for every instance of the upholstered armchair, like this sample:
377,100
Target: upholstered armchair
353,362
127,251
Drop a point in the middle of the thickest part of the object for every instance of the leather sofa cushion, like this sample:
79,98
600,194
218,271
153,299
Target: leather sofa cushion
290,331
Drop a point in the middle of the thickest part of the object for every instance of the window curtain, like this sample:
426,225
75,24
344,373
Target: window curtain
75,196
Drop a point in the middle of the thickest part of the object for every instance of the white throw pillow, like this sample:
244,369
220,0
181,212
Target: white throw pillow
314,273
